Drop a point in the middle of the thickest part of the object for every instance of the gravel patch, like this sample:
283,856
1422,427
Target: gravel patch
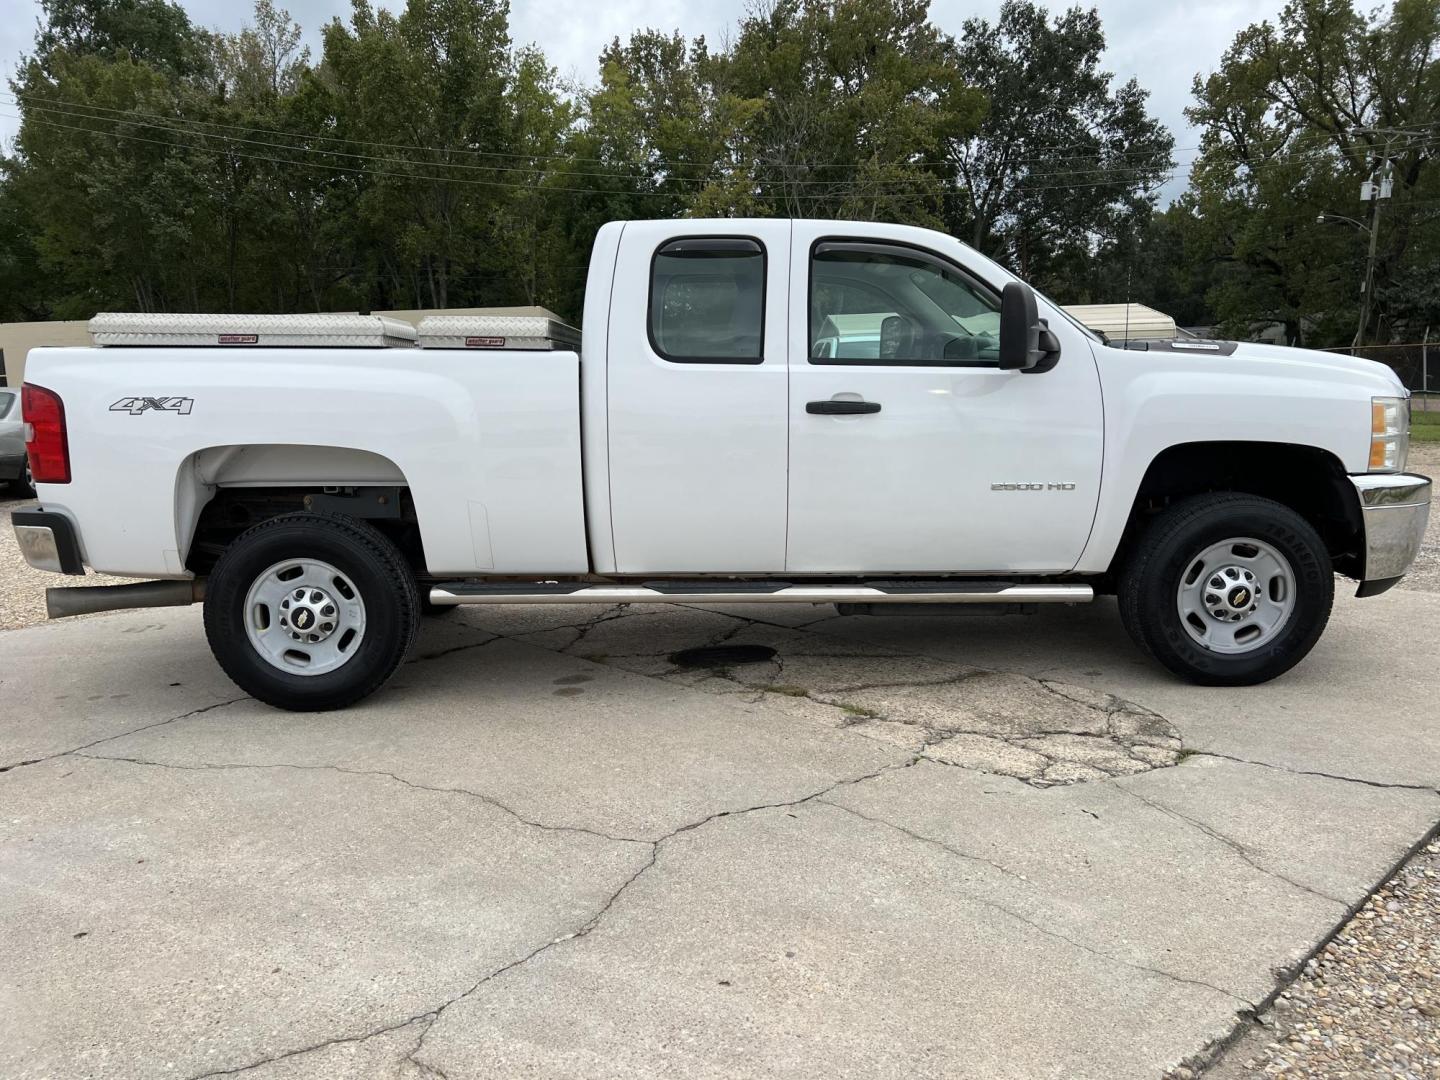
1369,1004
22,589
1425,573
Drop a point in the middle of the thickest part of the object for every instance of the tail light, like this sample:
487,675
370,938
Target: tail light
45,442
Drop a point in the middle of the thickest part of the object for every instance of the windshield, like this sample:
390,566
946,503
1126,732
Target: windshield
1093,335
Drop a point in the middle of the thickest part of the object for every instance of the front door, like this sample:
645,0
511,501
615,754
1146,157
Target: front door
910,450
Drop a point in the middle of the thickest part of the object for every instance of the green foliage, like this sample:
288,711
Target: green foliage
434,78
1152,263
1299,113
264,62
1425,427
1060,157
23,291
153,32
855,99
424,161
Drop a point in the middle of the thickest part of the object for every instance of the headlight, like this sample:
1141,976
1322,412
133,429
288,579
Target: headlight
1389,433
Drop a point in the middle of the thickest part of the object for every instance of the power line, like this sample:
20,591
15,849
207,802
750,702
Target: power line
503,184
856,189
836,189
165,124
25,102
1111,174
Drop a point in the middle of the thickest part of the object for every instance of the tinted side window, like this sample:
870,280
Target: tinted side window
707,301
876,303
6,401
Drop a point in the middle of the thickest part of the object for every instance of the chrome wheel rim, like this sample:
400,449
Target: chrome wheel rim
1236,596
305,617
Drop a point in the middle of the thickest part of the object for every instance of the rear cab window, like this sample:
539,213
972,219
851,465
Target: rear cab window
707,300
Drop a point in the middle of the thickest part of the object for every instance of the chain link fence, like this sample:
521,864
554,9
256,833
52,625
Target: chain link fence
1417,364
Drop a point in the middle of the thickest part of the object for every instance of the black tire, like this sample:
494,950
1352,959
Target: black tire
435,611
23,487
380,574
1150,582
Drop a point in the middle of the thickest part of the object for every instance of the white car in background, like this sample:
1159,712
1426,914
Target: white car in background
14,468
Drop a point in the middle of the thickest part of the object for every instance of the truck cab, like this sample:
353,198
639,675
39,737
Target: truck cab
779,451
784,411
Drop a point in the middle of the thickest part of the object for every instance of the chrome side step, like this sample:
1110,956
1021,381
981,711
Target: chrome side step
742,592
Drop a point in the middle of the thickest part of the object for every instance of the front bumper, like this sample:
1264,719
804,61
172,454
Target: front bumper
47,540
1394,510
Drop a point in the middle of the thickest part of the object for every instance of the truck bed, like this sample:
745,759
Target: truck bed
488,442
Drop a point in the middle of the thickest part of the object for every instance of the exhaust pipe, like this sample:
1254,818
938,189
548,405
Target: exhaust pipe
88,599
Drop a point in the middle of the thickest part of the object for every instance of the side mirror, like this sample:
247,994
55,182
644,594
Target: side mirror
897,337
1026,343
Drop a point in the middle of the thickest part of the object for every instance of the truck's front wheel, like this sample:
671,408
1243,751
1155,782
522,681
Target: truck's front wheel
311,611
1227,589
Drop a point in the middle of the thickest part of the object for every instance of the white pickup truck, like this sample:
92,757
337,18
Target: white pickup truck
766,411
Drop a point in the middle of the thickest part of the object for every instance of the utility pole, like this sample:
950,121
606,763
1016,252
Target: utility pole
1376,190
1379,187
1425,367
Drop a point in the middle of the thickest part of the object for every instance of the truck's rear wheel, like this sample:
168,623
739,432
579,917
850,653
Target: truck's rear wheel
311,611
1227,589
23,486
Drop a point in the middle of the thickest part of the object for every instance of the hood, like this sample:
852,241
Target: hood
1328,361
1277,359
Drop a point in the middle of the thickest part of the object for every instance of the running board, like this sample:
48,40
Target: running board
759,592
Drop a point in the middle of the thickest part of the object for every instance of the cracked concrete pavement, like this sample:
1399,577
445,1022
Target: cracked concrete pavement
903,846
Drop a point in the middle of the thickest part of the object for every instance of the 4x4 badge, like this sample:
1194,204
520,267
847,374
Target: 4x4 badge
137,405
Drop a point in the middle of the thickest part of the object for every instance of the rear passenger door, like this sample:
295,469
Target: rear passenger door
697,397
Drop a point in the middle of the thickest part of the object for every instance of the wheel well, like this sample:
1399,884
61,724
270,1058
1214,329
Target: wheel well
223,490
232,510
1310,481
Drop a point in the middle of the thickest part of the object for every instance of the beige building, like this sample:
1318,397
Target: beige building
18,338
1120,322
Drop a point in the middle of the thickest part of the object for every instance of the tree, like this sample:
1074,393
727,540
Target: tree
116,204
654,134
858,99
422,97
1151,263
264,61
1060,159
1300,113
24,289
425,162
153,32
532,249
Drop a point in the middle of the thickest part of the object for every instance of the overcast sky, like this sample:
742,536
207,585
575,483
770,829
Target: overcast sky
1163,43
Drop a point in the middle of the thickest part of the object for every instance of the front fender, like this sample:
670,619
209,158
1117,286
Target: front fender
1155,401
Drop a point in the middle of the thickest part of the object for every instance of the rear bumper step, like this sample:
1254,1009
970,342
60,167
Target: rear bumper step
951,592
